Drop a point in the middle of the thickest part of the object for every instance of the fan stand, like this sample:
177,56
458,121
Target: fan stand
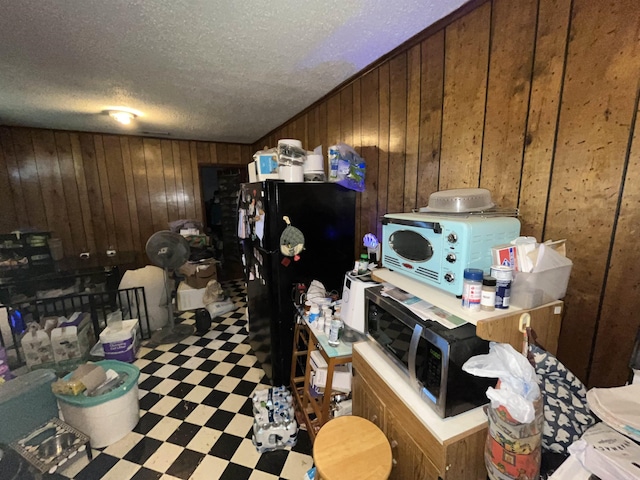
172,333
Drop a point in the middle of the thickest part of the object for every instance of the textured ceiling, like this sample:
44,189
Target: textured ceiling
212,70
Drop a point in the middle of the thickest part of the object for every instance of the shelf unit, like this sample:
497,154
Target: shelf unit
314,410
24,254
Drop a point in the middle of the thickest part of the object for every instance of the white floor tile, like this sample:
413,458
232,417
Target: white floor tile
201,414
123,470
209,468
164,405
164,428
162,458
204,440
246,454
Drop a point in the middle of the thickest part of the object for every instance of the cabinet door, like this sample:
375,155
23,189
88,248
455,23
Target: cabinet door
367,404
409,461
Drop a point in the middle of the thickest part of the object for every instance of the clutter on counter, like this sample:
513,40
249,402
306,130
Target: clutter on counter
540,270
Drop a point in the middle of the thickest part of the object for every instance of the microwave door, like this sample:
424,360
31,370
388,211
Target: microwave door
413,350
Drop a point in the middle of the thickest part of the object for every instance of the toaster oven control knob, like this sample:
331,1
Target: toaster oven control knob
452,238
451,257
449,277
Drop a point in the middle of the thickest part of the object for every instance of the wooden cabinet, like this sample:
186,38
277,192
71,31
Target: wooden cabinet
418,454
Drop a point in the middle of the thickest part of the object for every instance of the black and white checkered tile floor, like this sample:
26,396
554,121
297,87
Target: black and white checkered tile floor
195,413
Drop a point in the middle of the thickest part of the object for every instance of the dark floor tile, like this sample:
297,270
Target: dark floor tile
233,357
179,360
226,446
146,474
272,462
211,380
181,390
180,374
153,354
205,353
220,327
98,467
228,346
247,408
244,388
207,365
152,368
236,472
238,371
184,434
225,336
215,398
179,348
182,410
203,342
304,444
220,419
149,400
142,451
150,383
147,422
185,464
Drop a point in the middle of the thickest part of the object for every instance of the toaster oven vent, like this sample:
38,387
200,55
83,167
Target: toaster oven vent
425,272
393,262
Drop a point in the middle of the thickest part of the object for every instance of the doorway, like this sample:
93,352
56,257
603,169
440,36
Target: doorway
220,186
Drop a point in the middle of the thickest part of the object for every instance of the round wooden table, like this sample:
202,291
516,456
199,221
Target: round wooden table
351,447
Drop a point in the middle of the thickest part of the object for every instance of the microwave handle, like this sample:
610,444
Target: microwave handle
413,350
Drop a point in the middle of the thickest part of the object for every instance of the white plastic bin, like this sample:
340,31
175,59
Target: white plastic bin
530,290
109,417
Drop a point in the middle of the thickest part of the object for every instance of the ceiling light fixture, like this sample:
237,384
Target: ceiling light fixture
122,116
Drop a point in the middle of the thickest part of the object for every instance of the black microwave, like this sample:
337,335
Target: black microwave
430,354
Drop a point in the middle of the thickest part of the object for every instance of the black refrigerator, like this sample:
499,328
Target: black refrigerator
325,214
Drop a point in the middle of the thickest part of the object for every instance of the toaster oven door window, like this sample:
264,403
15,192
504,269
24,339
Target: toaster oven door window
410,245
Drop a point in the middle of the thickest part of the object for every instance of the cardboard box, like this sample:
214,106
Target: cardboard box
202,273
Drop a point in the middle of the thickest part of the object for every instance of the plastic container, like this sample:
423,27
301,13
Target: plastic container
472,288
529,290
26,402
503,276
488,296
189,298
363,264
108,417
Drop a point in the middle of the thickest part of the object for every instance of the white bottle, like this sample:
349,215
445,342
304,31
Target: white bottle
333,334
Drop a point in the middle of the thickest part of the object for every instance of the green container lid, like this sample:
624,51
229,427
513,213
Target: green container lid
132,373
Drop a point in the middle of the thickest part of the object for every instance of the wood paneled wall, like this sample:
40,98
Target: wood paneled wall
535,100
95,190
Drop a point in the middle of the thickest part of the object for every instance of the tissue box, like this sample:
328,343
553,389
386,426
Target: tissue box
37,348
121,344
72,342
533,289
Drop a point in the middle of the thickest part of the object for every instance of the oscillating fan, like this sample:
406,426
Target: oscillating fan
169,250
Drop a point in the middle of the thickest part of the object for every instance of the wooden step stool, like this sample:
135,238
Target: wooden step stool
351,448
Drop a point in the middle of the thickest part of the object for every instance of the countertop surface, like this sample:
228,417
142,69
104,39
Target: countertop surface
443,429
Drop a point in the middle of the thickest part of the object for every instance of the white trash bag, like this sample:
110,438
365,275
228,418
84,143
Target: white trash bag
518,382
